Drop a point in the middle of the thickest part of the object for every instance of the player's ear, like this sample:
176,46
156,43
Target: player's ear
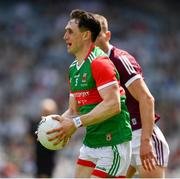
86,35
108,35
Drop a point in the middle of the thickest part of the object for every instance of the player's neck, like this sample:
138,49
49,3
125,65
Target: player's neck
106,47
84,52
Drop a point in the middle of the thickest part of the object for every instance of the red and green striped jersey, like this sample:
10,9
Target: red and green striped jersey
95,73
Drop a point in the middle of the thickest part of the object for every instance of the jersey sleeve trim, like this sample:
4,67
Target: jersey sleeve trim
138,76
107,84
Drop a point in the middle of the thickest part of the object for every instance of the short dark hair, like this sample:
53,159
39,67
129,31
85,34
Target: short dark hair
86,21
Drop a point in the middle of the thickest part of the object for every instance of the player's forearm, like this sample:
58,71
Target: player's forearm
146,105
141,93
69,113
101,112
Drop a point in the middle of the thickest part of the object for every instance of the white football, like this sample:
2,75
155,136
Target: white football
45,125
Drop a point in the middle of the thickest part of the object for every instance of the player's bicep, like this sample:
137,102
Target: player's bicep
110,93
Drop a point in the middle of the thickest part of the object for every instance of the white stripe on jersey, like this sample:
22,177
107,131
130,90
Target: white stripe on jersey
79,66
107,84
91,57
138,76
127,64
73,64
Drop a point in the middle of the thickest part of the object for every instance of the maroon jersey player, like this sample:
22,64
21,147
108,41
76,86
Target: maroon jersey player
150,151
130,71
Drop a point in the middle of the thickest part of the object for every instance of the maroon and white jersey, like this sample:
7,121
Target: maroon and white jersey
129,71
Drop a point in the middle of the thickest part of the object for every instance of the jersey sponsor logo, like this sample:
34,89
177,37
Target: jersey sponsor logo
86,97
127,64
82,102
81,94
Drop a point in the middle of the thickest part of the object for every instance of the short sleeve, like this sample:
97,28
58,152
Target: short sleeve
104,72
127,67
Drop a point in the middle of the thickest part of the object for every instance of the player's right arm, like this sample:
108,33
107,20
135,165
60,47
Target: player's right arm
141,93
131,74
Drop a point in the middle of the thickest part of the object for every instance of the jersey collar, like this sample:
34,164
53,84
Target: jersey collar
89,51
86,57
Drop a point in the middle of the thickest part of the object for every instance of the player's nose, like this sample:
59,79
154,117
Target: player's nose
65,37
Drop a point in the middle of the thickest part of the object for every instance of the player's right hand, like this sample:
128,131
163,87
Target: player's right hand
148,158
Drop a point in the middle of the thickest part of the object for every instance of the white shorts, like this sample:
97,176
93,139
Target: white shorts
106,161
160,147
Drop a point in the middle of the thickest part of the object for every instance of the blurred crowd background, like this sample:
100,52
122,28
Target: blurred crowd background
34,65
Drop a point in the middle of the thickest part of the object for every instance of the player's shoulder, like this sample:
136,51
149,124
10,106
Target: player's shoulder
102,64
101,60
122,56
120,52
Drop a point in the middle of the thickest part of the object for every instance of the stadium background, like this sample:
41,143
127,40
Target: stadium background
34,65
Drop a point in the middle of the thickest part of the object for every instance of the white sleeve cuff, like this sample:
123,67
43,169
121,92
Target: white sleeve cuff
138,76
107,84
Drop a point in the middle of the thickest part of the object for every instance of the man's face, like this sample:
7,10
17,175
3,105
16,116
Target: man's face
73,37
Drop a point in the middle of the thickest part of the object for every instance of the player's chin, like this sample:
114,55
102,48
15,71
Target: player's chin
70,48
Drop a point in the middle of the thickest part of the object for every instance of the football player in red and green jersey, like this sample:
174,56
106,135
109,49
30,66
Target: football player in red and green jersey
97,102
